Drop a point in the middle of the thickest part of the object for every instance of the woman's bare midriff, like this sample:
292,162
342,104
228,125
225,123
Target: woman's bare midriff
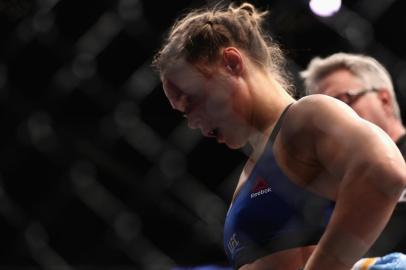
290,259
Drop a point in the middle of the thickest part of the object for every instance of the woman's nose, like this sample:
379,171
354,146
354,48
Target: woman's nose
193,122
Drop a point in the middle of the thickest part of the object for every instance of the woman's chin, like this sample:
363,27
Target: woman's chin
233,145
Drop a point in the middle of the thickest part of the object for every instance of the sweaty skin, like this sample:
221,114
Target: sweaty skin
323,168
322,146
376,107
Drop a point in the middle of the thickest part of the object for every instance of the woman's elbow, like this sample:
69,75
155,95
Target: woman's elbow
393,179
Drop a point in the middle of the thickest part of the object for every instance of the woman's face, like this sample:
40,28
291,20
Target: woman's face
217,104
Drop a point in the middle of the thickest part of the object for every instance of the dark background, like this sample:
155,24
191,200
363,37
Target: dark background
96,171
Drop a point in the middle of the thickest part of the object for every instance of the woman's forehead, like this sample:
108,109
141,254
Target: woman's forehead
182,73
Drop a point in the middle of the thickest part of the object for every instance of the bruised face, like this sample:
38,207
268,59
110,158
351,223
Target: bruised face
364,101
216,103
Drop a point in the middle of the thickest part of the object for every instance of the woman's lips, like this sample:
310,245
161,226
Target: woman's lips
220,137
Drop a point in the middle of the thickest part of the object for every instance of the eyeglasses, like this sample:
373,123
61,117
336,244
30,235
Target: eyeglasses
351,96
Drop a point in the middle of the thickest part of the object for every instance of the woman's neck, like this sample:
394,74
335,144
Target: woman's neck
270,99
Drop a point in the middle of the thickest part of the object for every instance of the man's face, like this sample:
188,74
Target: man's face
343,85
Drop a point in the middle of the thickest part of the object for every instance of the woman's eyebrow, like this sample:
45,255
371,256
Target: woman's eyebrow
174,89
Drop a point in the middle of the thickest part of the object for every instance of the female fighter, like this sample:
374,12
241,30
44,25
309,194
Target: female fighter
220,69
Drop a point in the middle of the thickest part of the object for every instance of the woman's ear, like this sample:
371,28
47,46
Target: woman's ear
232,61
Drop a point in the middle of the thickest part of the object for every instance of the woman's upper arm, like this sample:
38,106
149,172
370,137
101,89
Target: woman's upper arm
339,140
366,171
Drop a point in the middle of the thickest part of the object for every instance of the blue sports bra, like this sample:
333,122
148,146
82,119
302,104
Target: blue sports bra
270,213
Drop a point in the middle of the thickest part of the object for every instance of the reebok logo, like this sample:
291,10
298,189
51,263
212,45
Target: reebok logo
260,187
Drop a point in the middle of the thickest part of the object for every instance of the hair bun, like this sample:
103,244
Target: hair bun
248,8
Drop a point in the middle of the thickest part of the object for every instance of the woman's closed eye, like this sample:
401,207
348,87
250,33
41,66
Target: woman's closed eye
187,102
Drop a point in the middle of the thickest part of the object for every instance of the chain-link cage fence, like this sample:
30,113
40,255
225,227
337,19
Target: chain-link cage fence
97,171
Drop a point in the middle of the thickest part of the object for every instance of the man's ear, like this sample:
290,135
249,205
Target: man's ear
232,60
386,100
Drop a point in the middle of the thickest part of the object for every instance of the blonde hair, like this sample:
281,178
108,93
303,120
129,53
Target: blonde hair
368,70
201,34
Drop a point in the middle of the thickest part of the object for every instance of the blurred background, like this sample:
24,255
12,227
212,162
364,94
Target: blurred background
97,171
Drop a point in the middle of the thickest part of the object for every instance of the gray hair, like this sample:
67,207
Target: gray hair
370,72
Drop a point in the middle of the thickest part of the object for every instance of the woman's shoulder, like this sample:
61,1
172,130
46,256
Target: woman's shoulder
317,101
314,113
318,107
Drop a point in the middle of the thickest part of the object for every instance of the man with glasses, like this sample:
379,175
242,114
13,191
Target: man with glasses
365,85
